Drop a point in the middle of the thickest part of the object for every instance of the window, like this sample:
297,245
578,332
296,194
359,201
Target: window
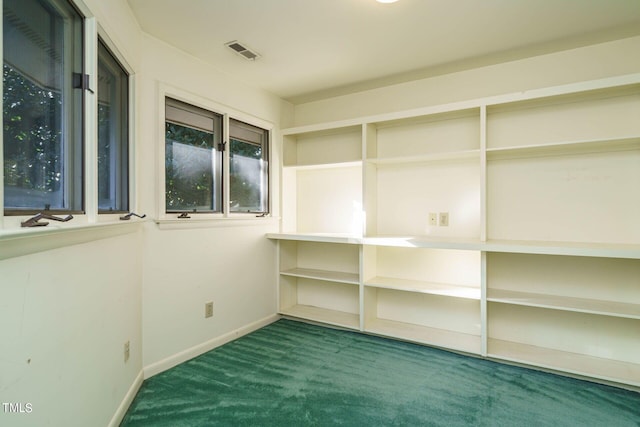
200,168
42,135
113,133
193,160
248,168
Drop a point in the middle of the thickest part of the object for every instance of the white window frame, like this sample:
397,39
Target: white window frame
10,224
72,153
265,164
188,116
205,218
132,126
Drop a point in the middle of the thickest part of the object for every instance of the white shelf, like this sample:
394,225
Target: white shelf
324,128
425,335
327,276
580,305
428,158
605,250
317,237
565,148
318,314
423,242
580,364
602,250
443,289
335,165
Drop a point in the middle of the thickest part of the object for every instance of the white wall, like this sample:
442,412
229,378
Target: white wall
231,265
67,312
586,63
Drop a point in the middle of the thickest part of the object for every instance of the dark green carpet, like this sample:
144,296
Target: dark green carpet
295,374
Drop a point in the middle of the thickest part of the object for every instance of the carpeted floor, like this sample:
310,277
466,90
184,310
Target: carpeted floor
295,374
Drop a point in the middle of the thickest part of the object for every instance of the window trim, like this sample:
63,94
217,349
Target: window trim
207,219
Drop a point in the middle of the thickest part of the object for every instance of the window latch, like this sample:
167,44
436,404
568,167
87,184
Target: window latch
128,216
183,215
221,146
81,81
33,221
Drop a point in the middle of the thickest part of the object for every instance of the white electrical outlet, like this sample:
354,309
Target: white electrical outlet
208,309
126,351
433,218
443,219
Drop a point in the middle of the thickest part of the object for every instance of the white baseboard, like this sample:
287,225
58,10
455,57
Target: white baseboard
190,353
118,416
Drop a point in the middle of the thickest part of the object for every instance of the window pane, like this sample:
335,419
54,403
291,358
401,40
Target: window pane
42,46
193,164
190,177
113,144
248,168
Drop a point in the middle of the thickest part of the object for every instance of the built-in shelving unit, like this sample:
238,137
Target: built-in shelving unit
320,281
423,164
584,308
315,163
425,295
538,259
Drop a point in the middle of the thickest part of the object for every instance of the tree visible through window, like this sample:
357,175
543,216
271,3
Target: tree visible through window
194,159
248,168
113,130
193,164
42,112
32,143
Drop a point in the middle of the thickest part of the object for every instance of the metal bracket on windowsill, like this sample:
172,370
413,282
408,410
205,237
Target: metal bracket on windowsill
128,216
33,221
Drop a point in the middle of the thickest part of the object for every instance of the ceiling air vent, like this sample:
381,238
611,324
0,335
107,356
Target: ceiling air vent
242,50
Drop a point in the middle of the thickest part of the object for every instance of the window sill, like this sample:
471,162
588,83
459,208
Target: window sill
16,242
240,220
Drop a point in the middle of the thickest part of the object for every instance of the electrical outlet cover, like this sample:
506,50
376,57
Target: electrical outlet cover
126,351
444,219
208,309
